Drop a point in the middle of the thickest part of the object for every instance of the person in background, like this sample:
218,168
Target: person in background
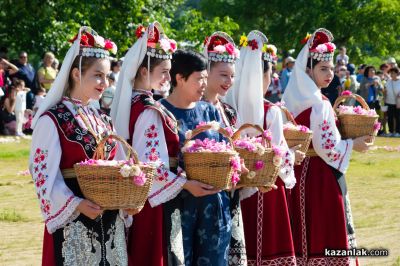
20,105
342,55
274,92
6,69
385,72
360,72
7,113
369,87
41,93
56,65
108,94
26,72
392,95
285,76
47,74
391,62
116,69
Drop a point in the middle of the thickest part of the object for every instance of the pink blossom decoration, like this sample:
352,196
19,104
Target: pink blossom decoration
330,46
259,165
220,49
321,48
230,48
377,126
140,179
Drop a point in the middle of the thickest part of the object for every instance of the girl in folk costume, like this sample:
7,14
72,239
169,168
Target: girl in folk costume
66,131
153,132
265,215
201,219
319,204
221,53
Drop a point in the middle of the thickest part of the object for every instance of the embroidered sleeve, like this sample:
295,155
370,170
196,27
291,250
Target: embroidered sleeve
275,125
57,202
149,142
326,139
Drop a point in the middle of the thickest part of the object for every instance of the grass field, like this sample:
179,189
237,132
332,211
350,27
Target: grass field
373,180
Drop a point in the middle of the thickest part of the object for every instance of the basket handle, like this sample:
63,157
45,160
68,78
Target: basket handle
204,128
236,136
288,115
357,97
99,152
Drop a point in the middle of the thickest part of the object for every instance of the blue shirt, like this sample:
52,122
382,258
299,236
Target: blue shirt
285,78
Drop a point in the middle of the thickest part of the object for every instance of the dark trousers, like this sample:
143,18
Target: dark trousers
393,114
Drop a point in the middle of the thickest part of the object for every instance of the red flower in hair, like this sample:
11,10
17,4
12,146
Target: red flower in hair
140,31
253,44
217,42
84,40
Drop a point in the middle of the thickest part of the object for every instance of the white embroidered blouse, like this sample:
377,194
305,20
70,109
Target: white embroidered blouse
149,141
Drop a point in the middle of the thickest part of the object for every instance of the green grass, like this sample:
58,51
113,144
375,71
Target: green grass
373,182
10,215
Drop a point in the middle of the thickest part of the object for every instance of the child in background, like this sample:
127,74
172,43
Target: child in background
20,105
108,94
41,93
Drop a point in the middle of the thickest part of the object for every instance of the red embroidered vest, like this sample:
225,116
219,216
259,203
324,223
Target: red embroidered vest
143,101
77,144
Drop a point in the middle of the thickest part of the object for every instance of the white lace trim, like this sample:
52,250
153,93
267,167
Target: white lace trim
168,193
247,192
65,217
287,261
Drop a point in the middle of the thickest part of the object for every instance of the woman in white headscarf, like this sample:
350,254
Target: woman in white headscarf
66,130
265,215
319,204
153,132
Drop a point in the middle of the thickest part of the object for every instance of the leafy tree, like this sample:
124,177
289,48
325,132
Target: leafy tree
365,27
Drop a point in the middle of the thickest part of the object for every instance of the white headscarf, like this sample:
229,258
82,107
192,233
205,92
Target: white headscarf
121,105
301,92
59,85
246,96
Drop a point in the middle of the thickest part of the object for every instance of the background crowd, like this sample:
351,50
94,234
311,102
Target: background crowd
23,88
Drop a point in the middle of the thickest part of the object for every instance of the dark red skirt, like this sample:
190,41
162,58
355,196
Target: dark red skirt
317,212
146,241
267,228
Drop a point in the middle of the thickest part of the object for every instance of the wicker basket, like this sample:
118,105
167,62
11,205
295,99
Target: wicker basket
295,137
352,125
105,186
212,168
265,176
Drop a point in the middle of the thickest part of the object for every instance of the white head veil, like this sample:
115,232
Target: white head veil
121,106
302,92
246,96
59,85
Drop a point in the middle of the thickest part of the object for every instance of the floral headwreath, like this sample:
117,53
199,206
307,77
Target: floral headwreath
158,44
268,50
93,45
221,48
320,45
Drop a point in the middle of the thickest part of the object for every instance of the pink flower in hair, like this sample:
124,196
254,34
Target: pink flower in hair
321,48
330,46
230,48
173,45
165,44
220,49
